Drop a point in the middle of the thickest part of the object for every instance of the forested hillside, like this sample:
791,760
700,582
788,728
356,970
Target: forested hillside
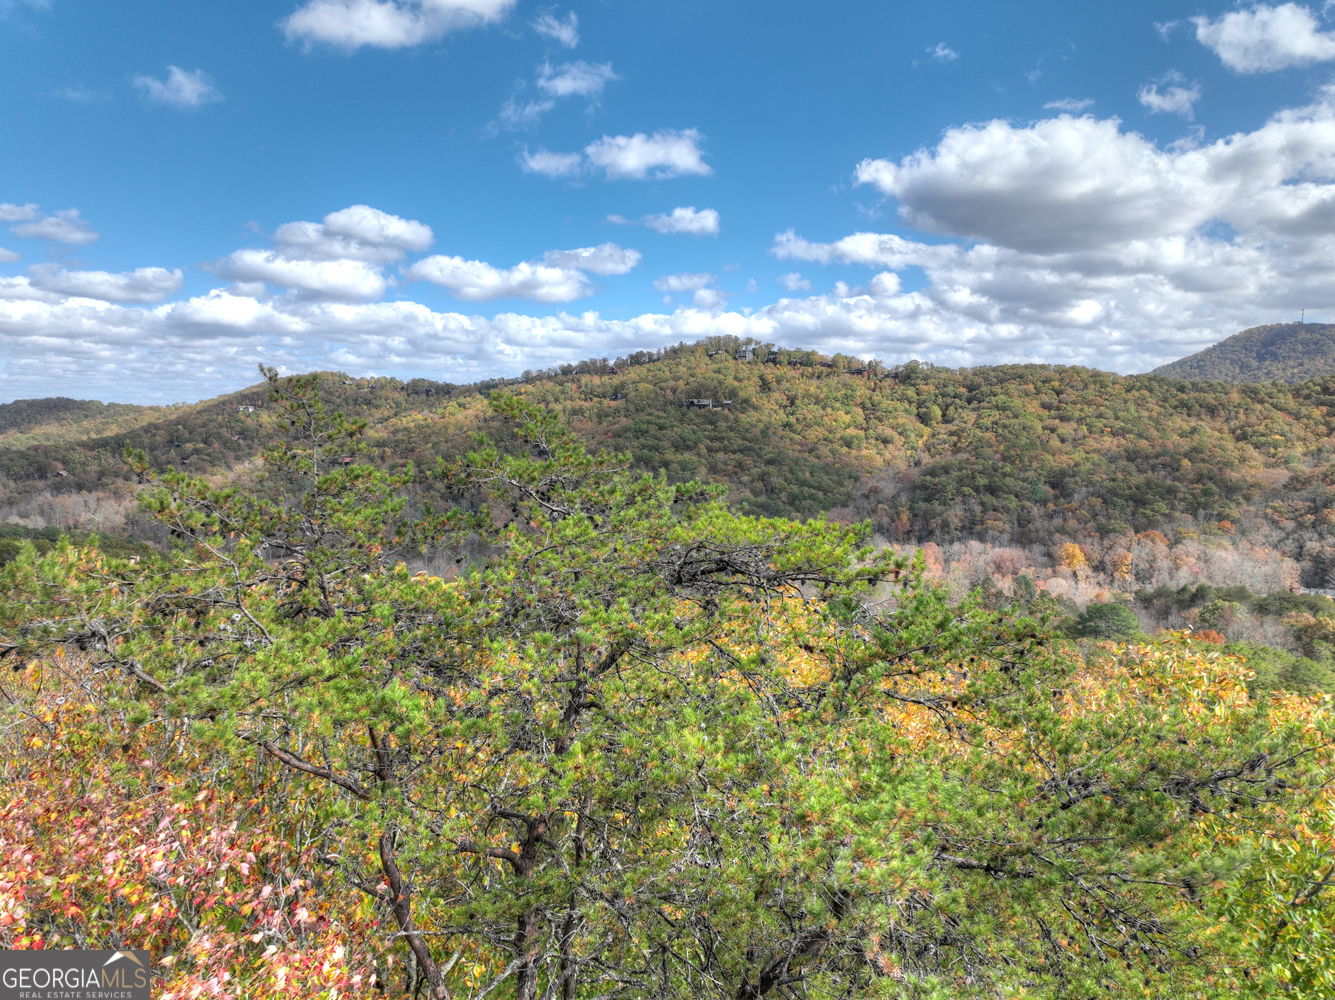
1281,352
1012,455
648,747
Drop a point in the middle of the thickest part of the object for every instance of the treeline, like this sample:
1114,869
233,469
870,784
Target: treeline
1017,454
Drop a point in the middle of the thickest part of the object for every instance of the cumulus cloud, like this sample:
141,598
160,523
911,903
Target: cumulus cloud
1075,241
1066,184
387,24
685,220
1070,104
144,284
941,52
340,280
1068,240
703,295
1264,39
604,259
9,256
663,155
478,281
341,258
17,213
564,31
180,89
794,282
558,277
1176,99
359,232
575,79
64,226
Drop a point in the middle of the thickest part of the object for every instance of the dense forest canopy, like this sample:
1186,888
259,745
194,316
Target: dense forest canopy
1016,454
1280,352
649,746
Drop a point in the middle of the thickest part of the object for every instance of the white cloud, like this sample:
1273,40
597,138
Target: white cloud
685,282
340,259
1068,240
144,284
9,256
1070,104
558,277
17,213
180,89
1093,246
551,164
1175,100
664,154
685,220
710,298
359,232
562,30
64,226
704,297
942,52
1264,39
517,114
604,259
478,281
396,24
575,79
1066,184
794,282
339,280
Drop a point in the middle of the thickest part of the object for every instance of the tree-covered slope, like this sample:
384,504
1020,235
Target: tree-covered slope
26,422
1019,452
1281,352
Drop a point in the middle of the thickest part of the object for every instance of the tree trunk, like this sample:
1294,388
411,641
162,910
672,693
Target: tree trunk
526,976
401,904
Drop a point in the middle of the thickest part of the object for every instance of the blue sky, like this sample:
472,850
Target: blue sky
1113,184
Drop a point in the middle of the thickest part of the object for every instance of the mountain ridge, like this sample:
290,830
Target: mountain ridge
1277,352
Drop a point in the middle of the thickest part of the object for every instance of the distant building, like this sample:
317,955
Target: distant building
700,404
726,404
619,395
746,354
245,409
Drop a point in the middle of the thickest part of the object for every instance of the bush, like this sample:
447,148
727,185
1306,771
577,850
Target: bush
1107,621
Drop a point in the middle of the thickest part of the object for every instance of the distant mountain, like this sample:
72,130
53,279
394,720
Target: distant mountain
1281,352
26,422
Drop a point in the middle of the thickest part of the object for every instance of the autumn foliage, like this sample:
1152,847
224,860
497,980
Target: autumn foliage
645,747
